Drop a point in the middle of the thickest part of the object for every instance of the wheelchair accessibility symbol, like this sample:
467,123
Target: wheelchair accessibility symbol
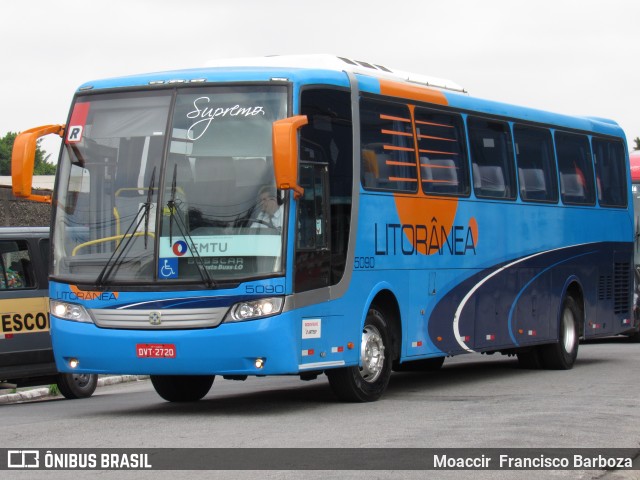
168,268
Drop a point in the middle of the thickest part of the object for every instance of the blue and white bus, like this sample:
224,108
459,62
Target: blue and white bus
310,215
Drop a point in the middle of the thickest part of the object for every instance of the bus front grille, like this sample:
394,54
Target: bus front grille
177,319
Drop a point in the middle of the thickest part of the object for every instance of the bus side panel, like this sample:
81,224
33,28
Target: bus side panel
518,303
491,275
534,306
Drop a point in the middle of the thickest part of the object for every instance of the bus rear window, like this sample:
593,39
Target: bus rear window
610,172
576,169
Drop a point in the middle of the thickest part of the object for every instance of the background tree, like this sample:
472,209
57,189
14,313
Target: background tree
637,140
41,165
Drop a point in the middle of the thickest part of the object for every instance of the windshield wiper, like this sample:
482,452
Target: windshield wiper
147,206
174,209
172,201
122,245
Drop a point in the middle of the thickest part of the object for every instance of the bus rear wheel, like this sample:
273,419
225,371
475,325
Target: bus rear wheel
366,383
182,388
562,355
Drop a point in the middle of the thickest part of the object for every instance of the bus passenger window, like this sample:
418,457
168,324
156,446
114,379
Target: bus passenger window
610,172
443,159
492,159
536,164
388,151
576,169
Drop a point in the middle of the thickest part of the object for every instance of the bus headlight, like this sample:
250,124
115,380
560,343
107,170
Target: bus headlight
69,311
254,309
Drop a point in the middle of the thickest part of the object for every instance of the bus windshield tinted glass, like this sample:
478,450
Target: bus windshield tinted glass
221,211
147,198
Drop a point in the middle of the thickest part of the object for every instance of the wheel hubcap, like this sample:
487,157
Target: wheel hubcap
372,354
81,380
569,331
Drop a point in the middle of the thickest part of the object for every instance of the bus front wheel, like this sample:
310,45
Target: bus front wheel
74,385
367,382
182,388
562,355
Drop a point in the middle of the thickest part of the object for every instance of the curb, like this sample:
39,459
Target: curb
44,392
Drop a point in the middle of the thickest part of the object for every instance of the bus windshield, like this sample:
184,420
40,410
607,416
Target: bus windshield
170,186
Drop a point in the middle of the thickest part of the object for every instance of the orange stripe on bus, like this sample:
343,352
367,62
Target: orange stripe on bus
401,164
391,117
400,179
437,138
411,211
413,92
437,151
394,132
431,165
422,122
401,149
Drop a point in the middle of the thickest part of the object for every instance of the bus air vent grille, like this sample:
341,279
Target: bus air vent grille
605,287
622,287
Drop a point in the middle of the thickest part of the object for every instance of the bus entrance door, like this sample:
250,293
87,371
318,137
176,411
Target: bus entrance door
313,256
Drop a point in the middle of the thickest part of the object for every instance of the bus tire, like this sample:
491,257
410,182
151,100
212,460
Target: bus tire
182,388
368,382
562,355
76,385
425,365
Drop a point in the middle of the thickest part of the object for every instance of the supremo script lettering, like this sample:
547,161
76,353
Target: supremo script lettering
204,115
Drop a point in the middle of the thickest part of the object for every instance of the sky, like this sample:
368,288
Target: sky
577,57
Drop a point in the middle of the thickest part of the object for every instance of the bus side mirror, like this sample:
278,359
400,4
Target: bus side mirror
23,158
285,153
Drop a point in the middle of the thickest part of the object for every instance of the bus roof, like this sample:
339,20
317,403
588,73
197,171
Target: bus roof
329,69
634,161
338,64
266,68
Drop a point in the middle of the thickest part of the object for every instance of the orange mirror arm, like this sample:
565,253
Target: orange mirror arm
23,158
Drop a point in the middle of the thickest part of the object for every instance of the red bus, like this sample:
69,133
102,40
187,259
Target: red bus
634,162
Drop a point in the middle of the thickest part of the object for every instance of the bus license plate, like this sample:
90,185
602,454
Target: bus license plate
155,350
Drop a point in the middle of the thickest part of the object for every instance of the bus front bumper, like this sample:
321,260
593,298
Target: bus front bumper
259,347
